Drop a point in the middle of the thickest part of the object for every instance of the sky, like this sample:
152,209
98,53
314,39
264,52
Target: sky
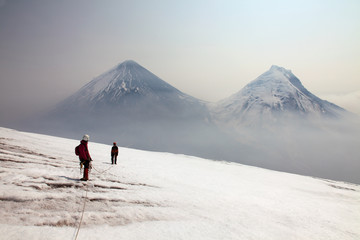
206,48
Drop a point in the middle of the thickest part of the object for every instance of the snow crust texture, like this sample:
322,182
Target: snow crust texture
152,195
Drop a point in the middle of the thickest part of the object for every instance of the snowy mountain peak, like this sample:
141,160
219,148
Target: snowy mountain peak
273,95
276,80
124,80
278,68
129,87
128,64
275,73
275,67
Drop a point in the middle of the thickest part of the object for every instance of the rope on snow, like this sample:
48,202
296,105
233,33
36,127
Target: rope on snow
85,200
83,210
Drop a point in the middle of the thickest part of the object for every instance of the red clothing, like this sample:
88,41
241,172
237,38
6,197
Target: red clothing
83,151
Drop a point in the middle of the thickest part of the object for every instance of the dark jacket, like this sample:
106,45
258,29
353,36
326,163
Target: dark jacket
114,150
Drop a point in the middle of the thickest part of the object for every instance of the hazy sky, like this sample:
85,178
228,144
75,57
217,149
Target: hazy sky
208,49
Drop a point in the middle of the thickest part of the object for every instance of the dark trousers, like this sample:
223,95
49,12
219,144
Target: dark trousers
113,158
86,164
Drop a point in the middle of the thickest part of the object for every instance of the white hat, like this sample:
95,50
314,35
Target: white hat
86,137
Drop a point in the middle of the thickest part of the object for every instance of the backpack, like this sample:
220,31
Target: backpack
77,152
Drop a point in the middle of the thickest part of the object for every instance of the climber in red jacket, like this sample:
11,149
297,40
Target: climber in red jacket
84,156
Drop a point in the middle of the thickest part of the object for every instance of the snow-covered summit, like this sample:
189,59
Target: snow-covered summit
275,94
274,68
128,62
125,79
128,86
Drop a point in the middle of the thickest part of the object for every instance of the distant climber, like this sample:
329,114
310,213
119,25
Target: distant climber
84,156
114,153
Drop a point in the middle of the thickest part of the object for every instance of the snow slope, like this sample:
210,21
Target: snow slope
151,195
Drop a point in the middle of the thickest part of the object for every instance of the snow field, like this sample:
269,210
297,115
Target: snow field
151,195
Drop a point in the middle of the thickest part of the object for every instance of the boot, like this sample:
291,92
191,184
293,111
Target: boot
86,175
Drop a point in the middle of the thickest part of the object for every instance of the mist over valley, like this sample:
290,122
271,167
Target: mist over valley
273,122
